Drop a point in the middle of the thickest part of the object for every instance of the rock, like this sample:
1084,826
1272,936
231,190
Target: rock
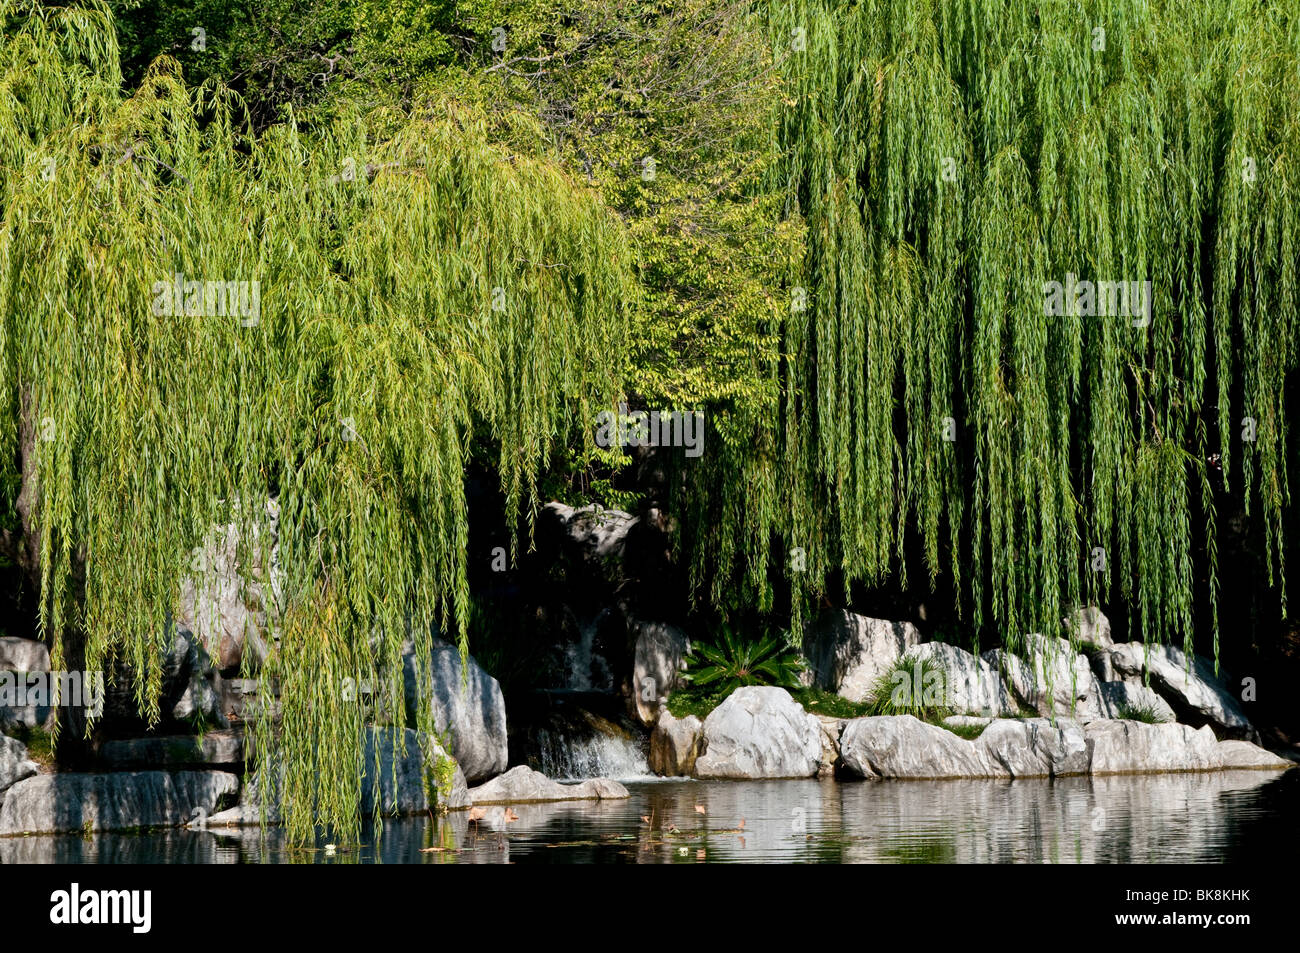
968,721
23,655
227,613
399,778
598,532
1118,698
760,732
1091,626
240,699
523,784
847,653
1243,754
15,688
56,803
659,655
14,764
1125,747
1103,669
201,696
971,685
900,746
1190,686
249,809
224,748
831,730
675,744
473,712
19,657
1034,747
1050,679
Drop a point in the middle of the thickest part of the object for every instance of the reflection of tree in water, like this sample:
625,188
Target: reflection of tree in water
919,847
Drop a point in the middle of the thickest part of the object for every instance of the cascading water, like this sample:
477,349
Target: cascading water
563,757
566,740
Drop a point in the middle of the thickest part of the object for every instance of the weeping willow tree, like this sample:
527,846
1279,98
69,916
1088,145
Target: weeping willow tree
194,321
950,159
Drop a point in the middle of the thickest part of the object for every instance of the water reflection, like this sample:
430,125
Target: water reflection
1188,818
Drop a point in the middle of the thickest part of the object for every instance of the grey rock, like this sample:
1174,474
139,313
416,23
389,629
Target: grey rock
832,728
1128,747
224,748
599,533
847,653
20,657
971,685
1034,747
675,744
760,732
1242,754
1115,697
399,780
472,712
900,746
523,784
1050,678
227,603
1091,626
968,721
659,655
23,655
54,803
201,696
1188,684
14,764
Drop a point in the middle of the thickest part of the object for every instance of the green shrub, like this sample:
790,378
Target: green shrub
910,687
1143,713
733,662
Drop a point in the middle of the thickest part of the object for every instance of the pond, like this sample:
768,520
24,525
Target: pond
1173,818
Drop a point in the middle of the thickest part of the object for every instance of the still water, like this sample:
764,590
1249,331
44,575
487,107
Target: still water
1174,818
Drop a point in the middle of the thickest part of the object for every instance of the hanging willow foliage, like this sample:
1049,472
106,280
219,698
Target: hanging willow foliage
408,290
949,158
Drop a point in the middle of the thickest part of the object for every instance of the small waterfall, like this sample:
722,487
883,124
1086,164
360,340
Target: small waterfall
598,756
566,740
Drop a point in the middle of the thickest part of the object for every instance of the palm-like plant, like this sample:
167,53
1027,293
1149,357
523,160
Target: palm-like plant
733,662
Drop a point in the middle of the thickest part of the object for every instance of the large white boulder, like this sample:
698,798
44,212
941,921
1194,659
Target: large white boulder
847,653
675,744
14,763
1188,683
971,685
471,710
523,784
900,746
658,657
760,732
1049,677
1129,747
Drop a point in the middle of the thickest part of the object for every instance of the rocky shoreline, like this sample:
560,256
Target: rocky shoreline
1045,711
